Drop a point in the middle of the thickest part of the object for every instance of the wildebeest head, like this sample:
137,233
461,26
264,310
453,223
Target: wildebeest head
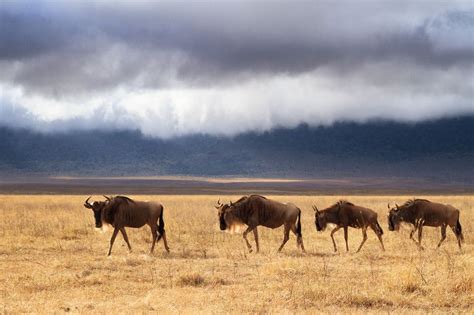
319,219
227,220
97,207
394,218
222,213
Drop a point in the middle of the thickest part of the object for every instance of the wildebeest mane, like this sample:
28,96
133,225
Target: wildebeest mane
242,208
108,213
114,204
411,202
258,196
123,198
342,203
240,200
337,206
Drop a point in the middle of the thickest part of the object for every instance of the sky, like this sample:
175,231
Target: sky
225,67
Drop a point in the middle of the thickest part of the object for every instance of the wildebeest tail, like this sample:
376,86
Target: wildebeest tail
161,226
379,228
459,230
298,224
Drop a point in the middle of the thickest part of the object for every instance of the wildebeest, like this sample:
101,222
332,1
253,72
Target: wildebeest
257,210
345,214
422,212
121,212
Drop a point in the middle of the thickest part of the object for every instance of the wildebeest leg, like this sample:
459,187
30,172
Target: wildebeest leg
248,230
379,235
413,232
255,234
420,234
165,242
286,236
457,236
112,240
293,229
332,237
443,234
364,238
154,234
299,239
345,238
125,237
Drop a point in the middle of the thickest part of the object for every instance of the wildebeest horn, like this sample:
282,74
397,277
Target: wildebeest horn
388,205
231,204
87,204
315,209
108,198
218,204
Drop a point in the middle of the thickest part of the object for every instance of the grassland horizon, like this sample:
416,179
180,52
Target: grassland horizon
228,185
53,260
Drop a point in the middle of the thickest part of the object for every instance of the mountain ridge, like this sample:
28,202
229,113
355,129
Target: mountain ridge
438,149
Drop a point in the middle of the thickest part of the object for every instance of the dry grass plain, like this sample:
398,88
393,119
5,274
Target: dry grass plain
53,260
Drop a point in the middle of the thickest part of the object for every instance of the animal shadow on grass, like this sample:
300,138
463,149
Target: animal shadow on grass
186,253
317,254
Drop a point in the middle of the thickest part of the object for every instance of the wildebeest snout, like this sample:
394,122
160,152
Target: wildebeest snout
98,219
390,226
222,223
318,227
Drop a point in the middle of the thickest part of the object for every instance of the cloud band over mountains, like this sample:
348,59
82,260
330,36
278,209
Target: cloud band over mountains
225,67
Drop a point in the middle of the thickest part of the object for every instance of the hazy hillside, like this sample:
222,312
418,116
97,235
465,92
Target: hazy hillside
440,150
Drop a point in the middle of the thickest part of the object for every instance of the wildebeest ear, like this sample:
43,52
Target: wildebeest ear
397,206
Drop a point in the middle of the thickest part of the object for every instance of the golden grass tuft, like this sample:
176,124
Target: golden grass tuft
52,260
193,280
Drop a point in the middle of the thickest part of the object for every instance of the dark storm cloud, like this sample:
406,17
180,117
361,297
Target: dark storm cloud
178,64
210,43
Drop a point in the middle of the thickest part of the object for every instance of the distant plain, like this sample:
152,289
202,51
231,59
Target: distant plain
227,185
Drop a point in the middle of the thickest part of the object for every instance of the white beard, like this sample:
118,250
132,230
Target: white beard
236,228
103,229
331,226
